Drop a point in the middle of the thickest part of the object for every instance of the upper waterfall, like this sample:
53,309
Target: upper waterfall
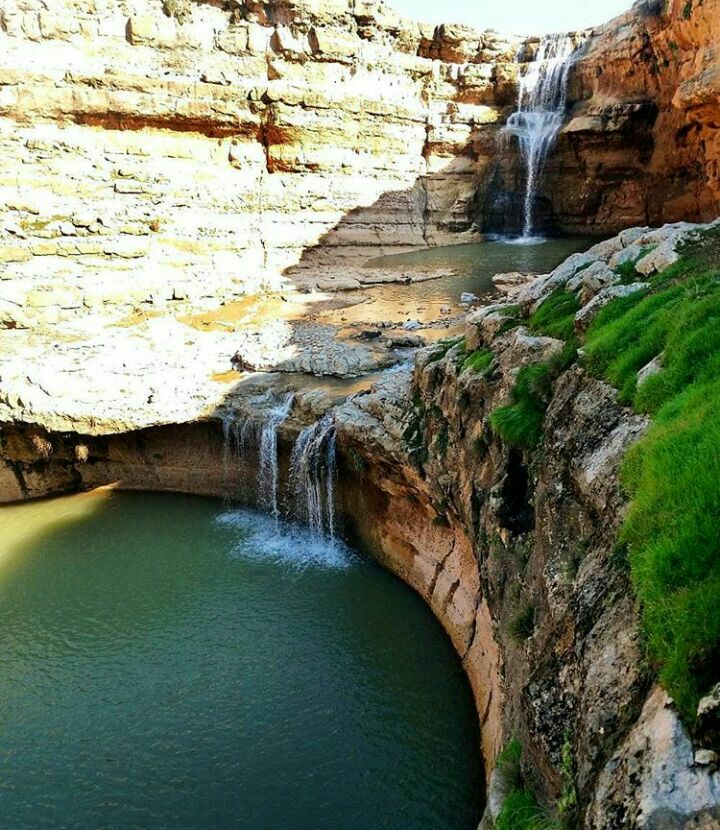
540,111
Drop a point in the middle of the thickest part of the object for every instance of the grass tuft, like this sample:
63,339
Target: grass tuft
478,361
555,317
520,422
522,625
442,347
520,810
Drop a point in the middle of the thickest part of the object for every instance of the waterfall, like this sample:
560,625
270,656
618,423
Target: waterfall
312,476
311,492
540,112
245,436
267,475
234,447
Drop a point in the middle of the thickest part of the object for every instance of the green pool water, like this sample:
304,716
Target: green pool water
168,663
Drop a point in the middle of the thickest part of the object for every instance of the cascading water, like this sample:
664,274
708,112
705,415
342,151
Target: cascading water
245,437
312,476
311,493
267,476
540,112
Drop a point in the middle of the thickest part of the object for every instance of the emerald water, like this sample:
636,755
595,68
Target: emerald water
168,663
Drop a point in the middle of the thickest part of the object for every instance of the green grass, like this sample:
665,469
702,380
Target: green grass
672,475
442,347
520,810
512,314
555,317
627,271
520,422
478,361
507,765
522,624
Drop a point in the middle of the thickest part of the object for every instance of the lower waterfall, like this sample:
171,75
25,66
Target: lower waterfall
310,493
312,476
267,475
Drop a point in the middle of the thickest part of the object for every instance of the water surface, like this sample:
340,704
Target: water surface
170,664
473,268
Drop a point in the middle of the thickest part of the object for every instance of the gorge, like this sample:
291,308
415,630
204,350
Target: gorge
223,275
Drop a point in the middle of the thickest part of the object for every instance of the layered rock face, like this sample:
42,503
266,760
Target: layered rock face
160,159
641,143
196,155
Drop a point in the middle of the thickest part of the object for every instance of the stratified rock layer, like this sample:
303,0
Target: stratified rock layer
154,160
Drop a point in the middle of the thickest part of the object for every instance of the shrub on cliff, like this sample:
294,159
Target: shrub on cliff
520,422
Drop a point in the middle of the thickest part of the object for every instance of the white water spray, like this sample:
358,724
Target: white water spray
540,112
312,476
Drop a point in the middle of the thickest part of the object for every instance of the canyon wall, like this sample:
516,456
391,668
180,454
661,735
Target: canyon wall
165,160
166,157
155,160
641,142
513,549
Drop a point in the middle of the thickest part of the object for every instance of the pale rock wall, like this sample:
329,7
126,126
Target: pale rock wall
149,161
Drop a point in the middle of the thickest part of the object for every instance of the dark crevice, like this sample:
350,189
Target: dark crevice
516,513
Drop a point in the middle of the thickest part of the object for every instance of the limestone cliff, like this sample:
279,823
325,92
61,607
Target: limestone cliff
162,158
194,156
155,158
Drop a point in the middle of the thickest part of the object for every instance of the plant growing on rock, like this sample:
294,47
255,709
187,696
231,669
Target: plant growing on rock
358,462
443,347
555,317
520,810
478,361
522,624
672,474
520,422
